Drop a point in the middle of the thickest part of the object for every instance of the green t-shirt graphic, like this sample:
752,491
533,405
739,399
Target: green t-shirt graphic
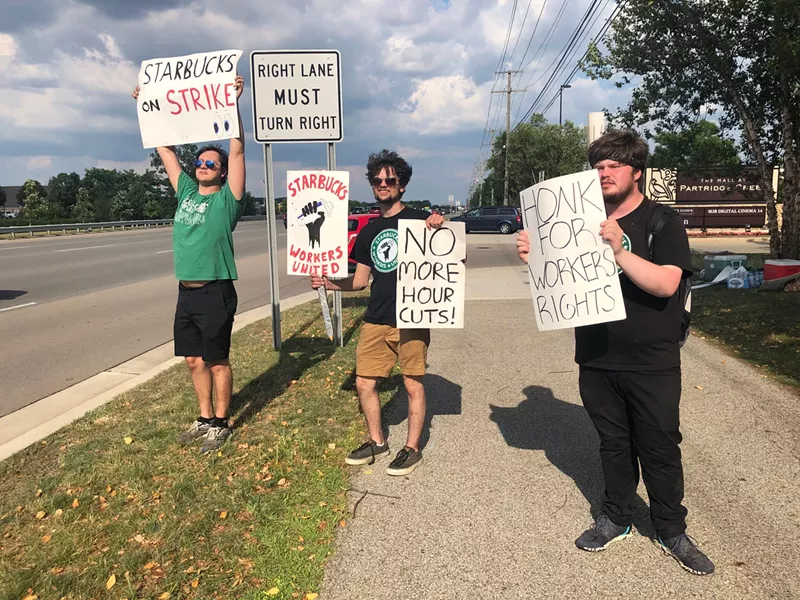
202,236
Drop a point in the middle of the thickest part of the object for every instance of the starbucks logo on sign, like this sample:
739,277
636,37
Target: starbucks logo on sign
384,251
626,245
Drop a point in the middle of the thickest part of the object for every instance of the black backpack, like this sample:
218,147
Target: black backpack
658,219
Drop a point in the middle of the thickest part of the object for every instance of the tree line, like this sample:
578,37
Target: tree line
107,194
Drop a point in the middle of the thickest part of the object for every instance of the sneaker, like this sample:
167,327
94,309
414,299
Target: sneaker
197,430
366,453
602,534
406,461
684,549
215,437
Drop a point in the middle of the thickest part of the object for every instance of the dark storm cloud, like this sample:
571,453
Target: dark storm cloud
125,9
19,15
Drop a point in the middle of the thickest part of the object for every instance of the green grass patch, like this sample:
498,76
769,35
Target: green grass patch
759,326
114,498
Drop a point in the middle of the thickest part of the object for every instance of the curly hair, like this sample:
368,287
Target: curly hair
389,160
223,158
623,146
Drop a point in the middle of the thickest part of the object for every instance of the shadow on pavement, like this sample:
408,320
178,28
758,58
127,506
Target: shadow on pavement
11,294
566,435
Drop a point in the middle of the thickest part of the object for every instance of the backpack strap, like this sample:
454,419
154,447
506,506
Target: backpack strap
661,214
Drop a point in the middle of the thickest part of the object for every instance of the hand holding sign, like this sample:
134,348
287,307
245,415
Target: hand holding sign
612,233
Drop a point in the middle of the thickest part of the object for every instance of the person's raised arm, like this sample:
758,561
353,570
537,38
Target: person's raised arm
236,170
168,157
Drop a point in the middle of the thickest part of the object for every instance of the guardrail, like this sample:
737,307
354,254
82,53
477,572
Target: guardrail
107,225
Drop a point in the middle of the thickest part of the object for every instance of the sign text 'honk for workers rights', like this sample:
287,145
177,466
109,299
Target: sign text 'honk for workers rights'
431,275
573,274
188,99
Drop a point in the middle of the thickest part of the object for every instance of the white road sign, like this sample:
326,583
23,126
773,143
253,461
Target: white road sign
297,96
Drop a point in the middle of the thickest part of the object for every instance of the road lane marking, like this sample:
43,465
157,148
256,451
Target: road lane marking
163,251
16,247
17,306
84,248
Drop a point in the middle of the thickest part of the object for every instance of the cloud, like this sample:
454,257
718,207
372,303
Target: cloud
417,75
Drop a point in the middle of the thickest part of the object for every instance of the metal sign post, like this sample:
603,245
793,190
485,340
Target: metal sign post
272,235
297,97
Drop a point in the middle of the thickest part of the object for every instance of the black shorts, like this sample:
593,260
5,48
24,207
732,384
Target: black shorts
204,320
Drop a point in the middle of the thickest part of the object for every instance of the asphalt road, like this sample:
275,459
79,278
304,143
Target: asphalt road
71,307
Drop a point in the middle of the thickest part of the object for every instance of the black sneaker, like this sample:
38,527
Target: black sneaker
215,437
684,549
406,461
197,430
366,453
602,534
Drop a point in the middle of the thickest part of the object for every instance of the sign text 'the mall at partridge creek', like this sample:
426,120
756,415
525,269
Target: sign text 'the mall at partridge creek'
297,96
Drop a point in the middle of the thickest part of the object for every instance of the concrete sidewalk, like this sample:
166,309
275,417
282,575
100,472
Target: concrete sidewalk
512,470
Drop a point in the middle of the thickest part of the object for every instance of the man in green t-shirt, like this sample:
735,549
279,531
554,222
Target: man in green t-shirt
202,241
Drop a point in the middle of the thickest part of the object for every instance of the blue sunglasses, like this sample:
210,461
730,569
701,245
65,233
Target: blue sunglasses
210,164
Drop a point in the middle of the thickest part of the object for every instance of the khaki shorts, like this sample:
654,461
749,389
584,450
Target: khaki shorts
379,347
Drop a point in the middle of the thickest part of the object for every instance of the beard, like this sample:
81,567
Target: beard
391,199
620,195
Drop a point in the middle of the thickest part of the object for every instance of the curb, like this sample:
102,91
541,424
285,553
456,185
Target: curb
99,389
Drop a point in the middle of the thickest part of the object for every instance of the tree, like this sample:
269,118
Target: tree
740,57
28,188
695,149
186,157
83,209
62,191
535,147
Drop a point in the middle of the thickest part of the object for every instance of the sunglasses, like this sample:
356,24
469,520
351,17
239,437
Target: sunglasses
377,181
210,164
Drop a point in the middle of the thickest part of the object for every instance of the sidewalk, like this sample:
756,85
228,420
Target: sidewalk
512,468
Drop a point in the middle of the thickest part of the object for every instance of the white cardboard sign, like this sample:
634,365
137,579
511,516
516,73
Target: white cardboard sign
316,222
573,275
188,99
431,275
297,96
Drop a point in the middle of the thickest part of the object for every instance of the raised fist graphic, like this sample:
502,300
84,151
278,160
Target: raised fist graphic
313,216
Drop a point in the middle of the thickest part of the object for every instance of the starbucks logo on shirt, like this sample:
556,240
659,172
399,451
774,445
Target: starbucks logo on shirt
384,251
626,245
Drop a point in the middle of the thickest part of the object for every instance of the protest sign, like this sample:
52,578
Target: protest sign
431,277
316,222
188,99
572,272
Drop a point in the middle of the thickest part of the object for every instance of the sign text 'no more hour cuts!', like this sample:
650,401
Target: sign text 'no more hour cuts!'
297,96
573,273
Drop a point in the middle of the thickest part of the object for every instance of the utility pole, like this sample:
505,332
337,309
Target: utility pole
508,91
561,102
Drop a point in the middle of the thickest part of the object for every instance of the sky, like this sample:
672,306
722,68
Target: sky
417,77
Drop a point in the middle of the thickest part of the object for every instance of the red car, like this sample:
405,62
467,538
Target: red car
356,223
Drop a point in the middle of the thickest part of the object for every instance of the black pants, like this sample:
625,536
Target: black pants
204,320
637,417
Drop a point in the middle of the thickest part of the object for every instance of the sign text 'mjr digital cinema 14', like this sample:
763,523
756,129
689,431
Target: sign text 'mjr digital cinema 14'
297,96
188,99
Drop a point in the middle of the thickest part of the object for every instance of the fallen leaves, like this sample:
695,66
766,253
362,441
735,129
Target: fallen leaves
282,482
59,512
150,565
273,591
41,514
75,503
46,538
699,387
223,514
331,446
128,441
311,596
164,596
112,581
39,493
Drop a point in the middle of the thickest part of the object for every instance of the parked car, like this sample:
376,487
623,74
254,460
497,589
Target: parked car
505,219
357,210
374,210
355,223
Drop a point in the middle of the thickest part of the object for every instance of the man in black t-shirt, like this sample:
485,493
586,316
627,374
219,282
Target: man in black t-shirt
380,343
630,370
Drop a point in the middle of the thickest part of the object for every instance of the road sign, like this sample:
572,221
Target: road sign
450,199
297,96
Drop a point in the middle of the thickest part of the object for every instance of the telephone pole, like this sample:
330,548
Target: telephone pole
508,91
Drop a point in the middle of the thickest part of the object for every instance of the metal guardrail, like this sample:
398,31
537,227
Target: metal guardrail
106,225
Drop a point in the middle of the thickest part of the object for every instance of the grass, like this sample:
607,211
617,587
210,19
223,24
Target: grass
758,326
113,499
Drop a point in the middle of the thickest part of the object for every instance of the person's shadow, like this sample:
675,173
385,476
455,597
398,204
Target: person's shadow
569,441
442,396
11,294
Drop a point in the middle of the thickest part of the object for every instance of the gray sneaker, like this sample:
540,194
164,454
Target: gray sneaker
197,430
215,437
406,461
367,453
684,549
602,534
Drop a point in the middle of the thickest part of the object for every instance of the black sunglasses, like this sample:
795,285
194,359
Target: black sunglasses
377,181
210,164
